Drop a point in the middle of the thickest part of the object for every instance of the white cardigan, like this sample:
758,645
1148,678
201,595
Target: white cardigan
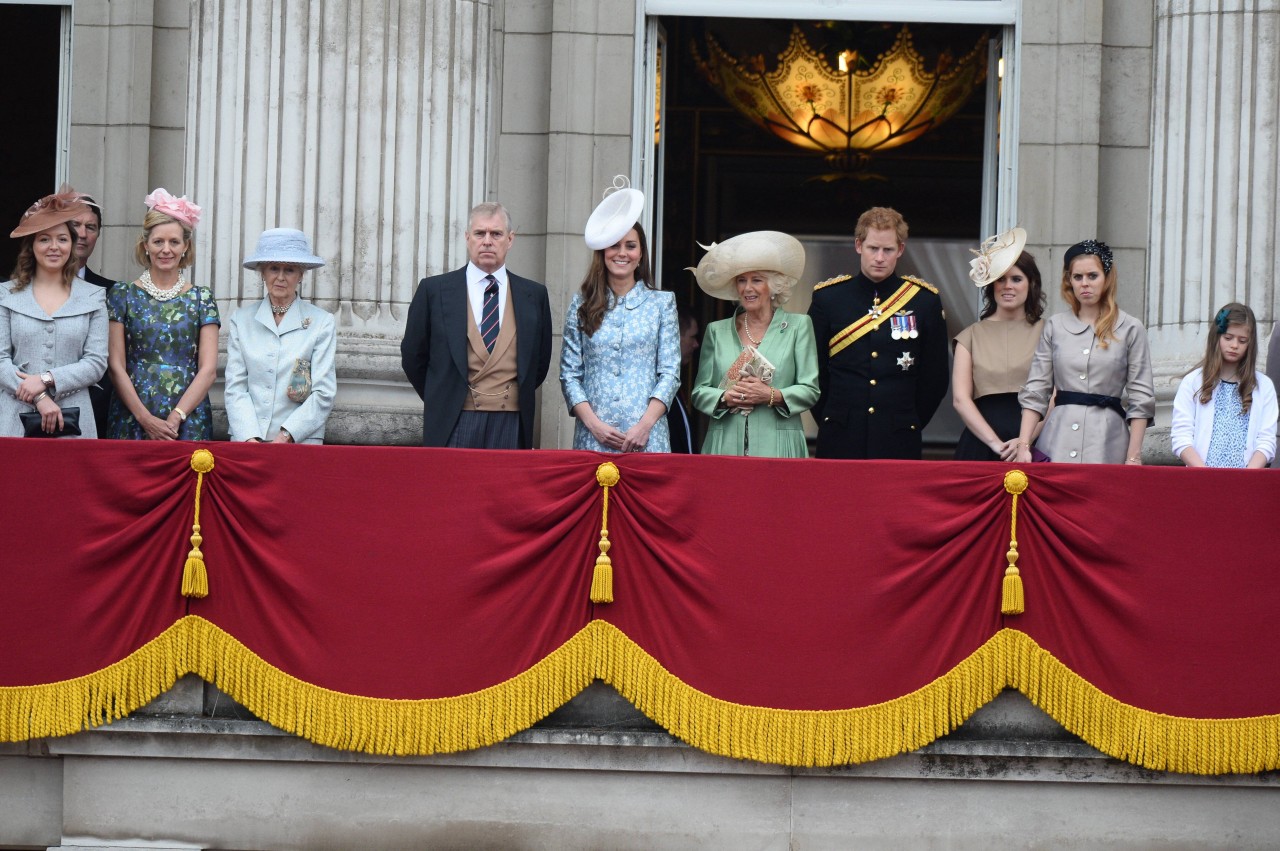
1193,420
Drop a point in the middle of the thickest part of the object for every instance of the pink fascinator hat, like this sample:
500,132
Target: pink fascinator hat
178,208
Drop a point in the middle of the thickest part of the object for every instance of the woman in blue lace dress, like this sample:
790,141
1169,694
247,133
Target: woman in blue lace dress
163,334
620,364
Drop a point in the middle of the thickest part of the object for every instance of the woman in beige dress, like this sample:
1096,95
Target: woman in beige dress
993,355
1094,363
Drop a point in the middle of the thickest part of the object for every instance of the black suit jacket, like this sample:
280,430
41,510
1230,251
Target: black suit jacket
94,278
434,350
100,393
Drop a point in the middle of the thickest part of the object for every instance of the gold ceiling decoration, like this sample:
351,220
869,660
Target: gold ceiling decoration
850,111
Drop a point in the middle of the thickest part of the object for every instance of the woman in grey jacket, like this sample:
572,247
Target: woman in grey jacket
53,326
281,378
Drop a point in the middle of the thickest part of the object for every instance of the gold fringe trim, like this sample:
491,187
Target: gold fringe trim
799,737
1149,739
600,650
389,726
69,706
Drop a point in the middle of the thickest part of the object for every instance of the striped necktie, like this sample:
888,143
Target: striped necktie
489,313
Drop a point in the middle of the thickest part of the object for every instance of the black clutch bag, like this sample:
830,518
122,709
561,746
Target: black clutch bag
70,424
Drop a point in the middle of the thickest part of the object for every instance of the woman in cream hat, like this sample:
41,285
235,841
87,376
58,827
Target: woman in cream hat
281,377
993,355
164,333
758,368
53,328
620,364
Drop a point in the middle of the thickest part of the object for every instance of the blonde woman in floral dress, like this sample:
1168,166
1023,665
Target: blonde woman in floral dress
163,346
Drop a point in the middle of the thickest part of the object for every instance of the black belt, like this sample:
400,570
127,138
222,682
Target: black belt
1095,400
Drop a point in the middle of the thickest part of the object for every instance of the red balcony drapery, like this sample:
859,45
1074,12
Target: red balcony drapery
801,612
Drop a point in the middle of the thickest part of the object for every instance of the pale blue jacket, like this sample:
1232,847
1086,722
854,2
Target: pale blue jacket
634,356
263,358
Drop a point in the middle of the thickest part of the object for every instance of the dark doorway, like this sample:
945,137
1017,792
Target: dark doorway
29,100
723,174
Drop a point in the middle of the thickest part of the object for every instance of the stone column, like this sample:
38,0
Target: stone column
1214,186
364,124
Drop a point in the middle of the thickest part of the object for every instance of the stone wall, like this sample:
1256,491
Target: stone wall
194,770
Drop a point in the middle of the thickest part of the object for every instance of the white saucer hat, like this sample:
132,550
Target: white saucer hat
761,250
615,215
996,255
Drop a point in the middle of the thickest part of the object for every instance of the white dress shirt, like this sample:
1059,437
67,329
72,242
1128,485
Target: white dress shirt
475,291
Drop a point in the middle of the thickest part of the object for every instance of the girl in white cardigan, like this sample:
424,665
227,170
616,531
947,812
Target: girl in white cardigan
1224,414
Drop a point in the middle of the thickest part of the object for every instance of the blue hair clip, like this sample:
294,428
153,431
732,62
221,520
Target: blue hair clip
1221,320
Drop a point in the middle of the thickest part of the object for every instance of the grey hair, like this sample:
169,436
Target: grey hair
780,286
490,208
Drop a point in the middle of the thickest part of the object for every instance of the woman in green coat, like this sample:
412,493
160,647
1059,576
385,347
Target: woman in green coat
759,368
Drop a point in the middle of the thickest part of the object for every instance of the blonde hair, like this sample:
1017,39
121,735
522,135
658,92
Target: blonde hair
153,220
1108,310
1234,313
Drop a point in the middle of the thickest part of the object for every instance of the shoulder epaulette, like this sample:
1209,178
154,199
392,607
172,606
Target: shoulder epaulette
829,281
919,283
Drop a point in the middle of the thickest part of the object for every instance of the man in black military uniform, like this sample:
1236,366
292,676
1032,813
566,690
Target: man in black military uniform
882,350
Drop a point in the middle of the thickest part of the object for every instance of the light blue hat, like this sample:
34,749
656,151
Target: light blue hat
284,245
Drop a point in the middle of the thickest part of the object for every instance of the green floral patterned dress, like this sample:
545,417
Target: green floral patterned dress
161,343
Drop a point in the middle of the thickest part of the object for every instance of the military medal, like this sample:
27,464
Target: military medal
911,321
906,361
904,325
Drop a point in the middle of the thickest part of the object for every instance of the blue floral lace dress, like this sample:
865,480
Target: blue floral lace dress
161,344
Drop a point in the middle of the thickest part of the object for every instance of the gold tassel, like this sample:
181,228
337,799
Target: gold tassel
607,476
195,578
1012,601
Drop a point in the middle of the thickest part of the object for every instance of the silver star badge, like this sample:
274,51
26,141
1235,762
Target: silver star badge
906,361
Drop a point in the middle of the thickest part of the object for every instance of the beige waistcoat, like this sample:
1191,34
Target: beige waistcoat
492,375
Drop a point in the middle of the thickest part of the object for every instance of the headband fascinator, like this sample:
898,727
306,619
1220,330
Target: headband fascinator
1221,319
178,208
1090,246
50,210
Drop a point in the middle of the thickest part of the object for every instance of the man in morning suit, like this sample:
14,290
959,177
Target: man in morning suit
882,349
87,227
477,344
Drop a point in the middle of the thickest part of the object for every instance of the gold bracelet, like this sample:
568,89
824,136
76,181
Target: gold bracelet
182,415
44,394
771,392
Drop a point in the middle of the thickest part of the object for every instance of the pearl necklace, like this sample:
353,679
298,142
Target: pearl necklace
144,281
281,311
746,329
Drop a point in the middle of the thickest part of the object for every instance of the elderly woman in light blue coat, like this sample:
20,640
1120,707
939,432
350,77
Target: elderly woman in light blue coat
53,326
281,378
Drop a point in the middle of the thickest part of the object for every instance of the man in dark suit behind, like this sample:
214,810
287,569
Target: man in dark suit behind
87,227
477,344
678,421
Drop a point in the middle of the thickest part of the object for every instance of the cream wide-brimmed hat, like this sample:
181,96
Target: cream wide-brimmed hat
760,250
615,215
996,255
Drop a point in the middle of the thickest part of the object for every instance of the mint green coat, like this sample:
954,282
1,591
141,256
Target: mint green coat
775,432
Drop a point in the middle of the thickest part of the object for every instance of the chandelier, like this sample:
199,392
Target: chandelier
846,112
